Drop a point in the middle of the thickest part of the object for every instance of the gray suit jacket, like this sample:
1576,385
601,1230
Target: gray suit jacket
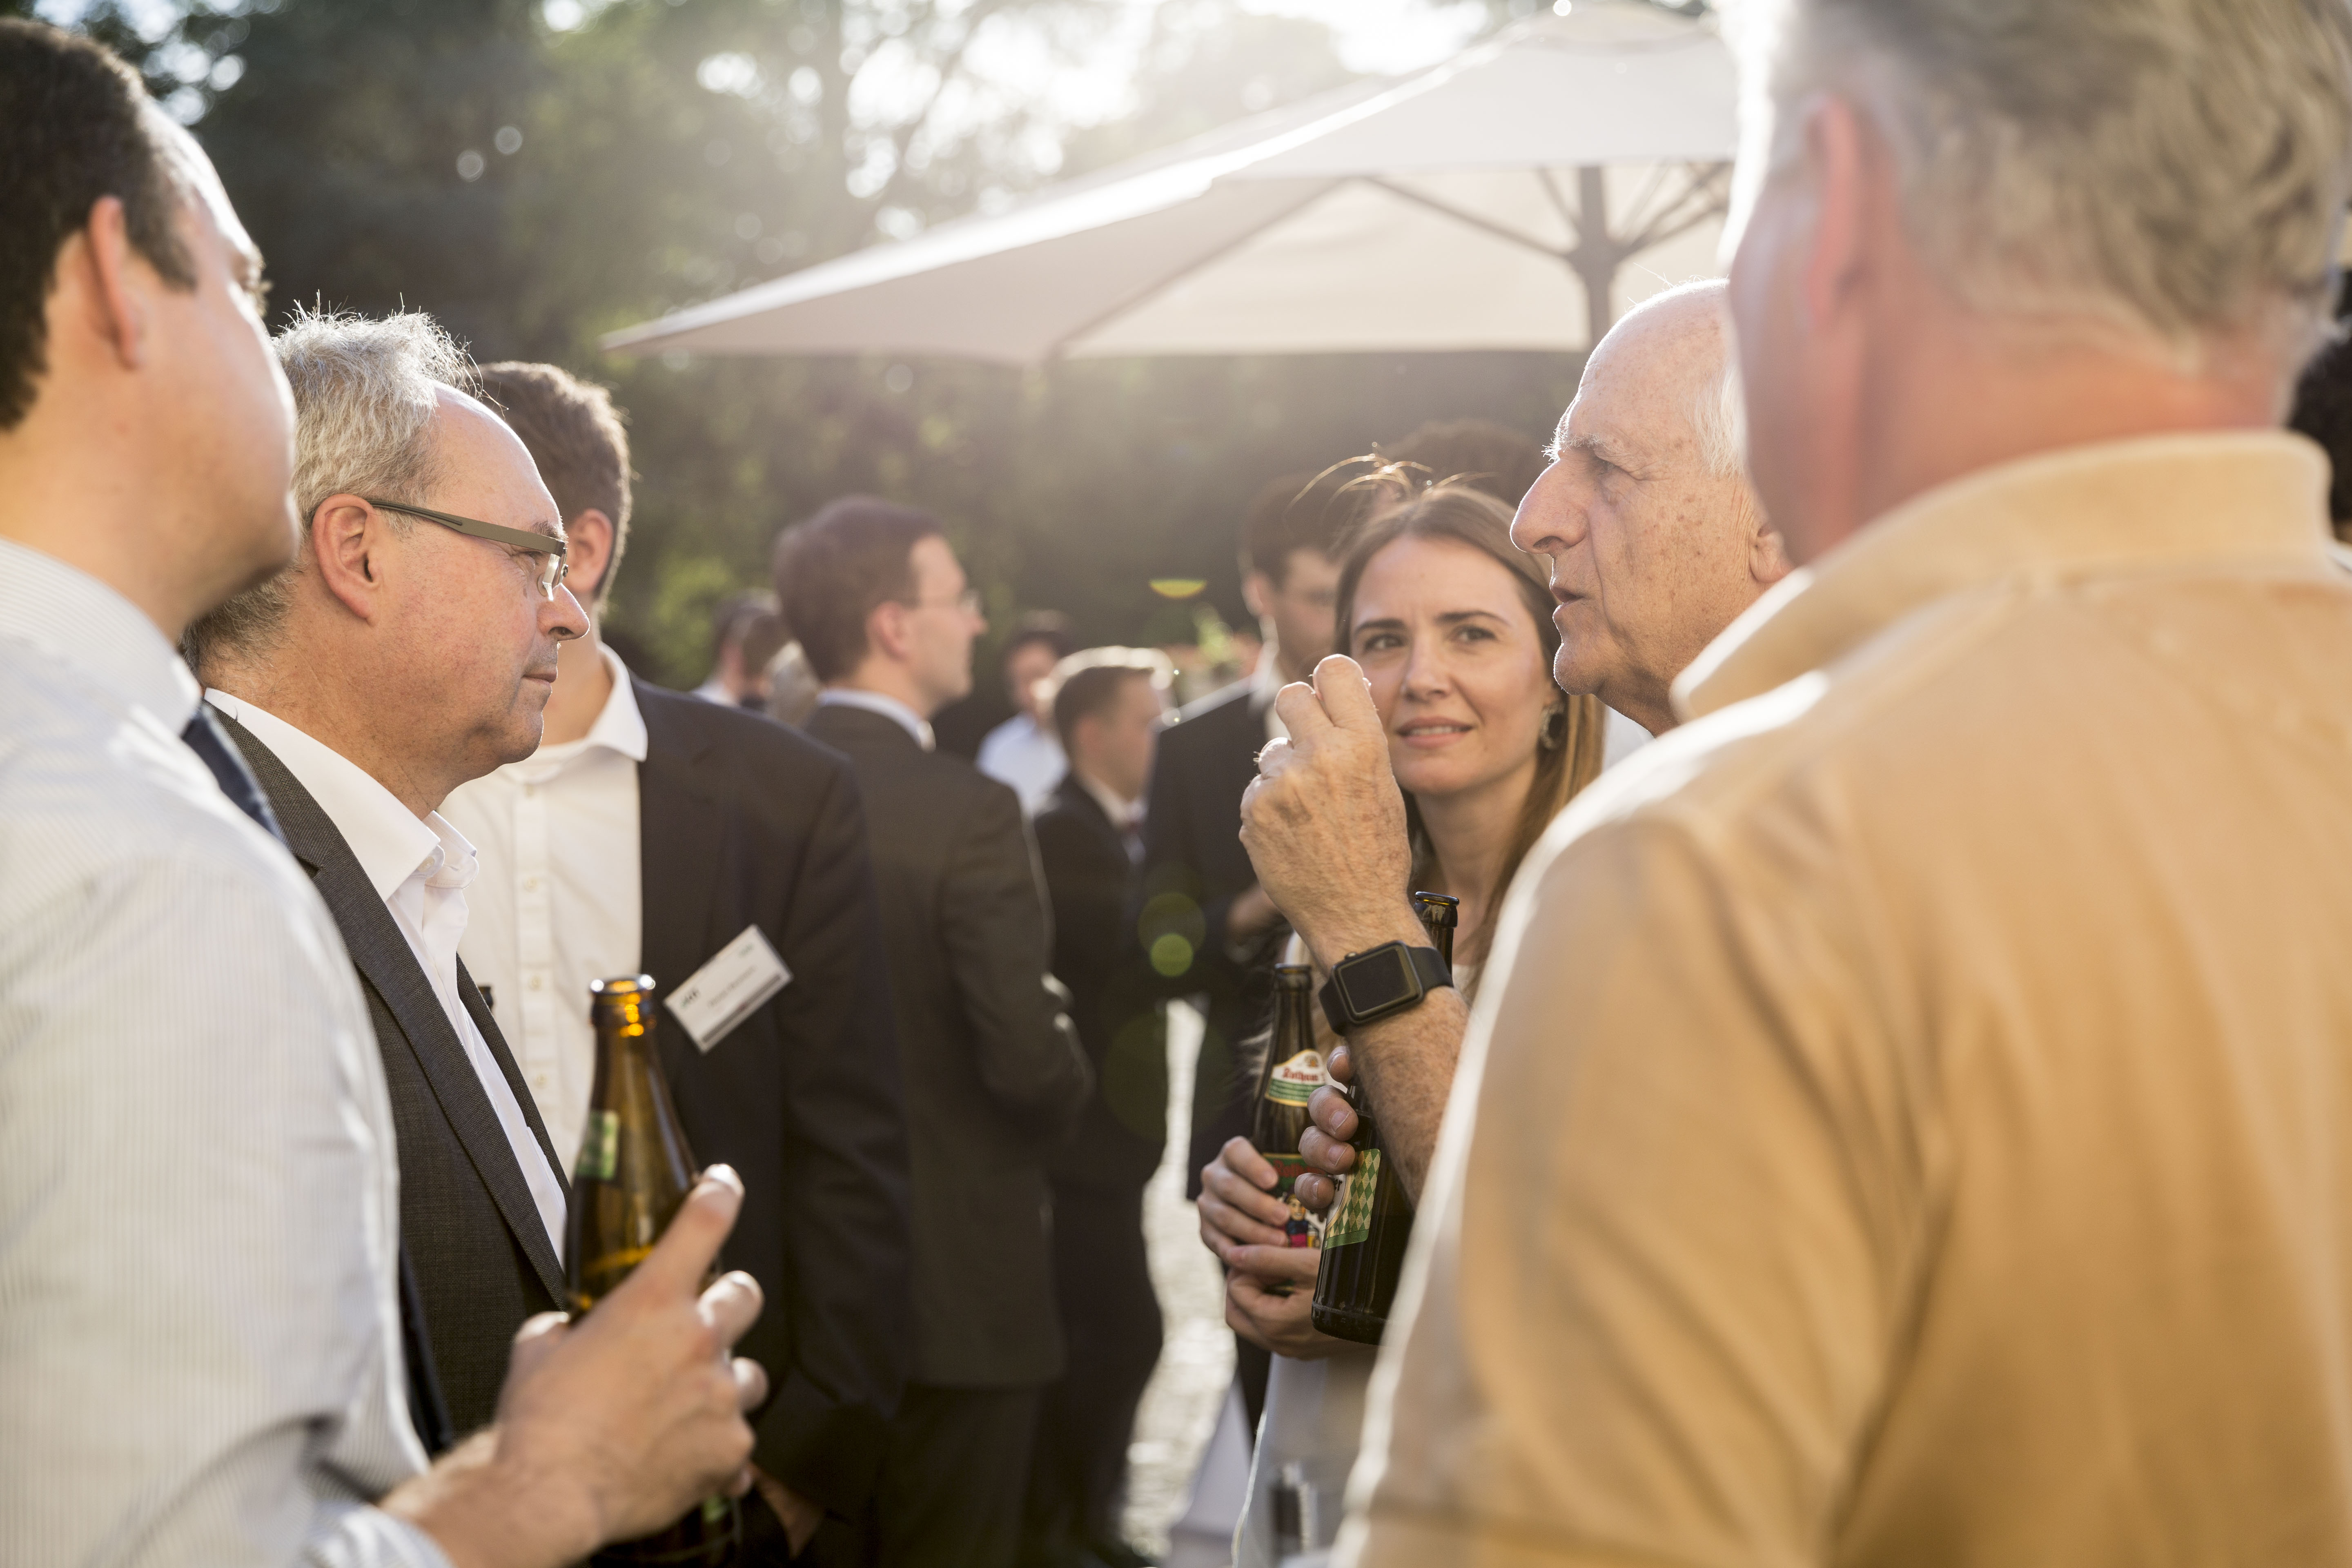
482,1256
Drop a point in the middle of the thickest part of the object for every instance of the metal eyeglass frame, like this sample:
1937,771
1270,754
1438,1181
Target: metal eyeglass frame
550,576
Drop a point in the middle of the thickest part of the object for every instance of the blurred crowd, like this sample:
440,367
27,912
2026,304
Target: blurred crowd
1890,755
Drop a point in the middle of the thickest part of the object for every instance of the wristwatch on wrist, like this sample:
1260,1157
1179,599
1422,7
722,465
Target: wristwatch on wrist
1380,983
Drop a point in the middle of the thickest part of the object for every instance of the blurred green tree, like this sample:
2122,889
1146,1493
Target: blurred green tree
536,175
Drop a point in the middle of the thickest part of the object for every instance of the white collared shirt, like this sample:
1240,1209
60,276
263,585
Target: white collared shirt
199,1197
421,871
1028,757
560,900
890,707
1126,816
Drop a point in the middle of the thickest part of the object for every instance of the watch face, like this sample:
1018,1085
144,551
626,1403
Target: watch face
1376,980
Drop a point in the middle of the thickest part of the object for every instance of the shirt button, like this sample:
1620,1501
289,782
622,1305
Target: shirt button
530,884
535,983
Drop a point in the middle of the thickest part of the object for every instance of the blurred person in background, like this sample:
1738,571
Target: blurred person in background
1917,1074
1025,751
1196,888
649,833
992,1074
1109,706
2322,411
1452,626
398,657
745,633
200,1242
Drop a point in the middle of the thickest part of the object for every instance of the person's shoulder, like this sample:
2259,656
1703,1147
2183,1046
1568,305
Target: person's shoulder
741,733
100,798
1210,723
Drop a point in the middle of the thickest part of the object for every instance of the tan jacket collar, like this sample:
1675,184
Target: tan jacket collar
2160,501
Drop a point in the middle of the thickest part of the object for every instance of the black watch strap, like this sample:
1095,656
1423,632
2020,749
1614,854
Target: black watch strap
1380,982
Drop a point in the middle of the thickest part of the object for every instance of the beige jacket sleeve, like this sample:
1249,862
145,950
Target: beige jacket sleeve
1672,1231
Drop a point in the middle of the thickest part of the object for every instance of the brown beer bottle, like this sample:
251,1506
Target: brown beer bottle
634,1170
1364,1239
1294,1070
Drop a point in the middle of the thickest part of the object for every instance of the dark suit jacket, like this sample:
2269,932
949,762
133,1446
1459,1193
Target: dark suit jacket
1193,868
993,1077
482,1259
744,822
1114,995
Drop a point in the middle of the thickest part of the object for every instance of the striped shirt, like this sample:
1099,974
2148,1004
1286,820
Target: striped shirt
199,1200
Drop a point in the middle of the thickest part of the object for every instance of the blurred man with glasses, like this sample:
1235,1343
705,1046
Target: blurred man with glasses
411,647
992,1074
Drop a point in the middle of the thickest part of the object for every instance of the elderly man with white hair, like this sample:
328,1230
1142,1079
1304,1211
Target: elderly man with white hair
1908,1120
1656,542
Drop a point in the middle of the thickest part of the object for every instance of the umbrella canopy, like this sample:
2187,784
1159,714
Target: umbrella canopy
1519,196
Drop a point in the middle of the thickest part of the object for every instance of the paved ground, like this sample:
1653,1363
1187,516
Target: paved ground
1197,1361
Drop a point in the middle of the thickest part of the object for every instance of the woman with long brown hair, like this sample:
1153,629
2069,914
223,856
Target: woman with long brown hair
1453,627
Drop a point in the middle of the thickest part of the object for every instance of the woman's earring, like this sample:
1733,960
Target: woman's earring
1555,727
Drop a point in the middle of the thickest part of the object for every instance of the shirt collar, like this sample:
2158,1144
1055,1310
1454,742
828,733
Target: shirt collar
389,841
890,707
1123,814
75,618
620,725
2152,502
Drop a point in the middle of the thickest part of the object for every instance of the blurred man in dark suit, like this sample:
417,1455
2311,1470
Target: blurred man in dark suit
655,832
992,1073
1108,705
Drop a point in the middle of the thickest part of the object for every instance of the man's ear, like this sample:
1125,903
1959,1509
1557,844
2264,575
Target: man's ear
1839,153
886,631
1257,591
348,539
588,558
98,281
1767,554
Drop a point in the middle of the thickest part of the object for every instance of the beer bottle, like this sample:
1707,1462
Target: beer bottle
635,1171
1364,1238
1294,1070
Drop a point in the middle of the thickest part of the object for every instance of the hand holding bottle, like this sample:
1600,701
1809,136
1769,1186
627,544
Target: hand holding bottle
613,1425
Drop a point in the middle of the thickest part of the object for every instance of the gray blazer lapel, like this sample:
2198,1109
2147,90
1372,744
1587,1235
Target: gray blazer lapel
388,964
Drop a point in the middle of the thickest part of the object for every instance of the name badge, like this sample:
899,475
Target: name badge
727,990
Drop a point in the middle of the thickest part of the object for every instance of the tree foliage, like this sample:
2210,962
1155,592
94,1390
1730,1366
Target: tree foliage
536,175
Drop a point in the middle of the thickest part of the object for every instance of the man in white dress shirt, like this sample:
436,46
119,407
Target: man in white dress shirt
1026,751
199,1359
410,648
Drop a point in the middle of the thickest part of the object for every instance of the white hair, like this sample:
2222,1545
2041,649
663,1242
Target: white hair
364,393
2175,169
1719,410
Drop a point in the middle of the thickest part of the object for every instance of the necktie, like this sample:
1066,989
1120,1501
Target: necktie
237,781
426,1409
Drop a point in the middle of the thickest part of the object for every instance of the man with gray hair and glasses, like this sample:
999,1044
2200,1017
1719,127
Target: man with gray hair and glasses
410,648
1907,1118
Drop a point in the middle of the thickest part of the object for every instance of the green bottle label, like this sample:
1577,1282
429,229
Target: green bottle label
1352,1220
600,1148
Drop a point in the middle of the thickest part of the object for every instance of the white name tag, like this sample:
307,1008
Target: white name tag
724,991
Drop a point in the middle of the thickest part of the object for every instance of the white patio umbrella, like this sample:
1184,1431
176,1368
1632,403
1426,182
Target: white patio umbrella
1519,196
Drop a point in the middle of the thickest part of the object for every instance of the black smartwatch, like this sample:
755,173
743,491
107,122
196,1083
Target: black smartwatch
1386,980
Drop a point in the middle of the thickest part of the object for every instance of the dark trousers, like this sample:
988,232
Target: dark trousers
1110,1318
954,1477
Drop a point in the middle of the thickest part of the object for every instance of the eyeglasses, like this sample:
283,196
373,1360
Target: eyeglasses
550,570
969,602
